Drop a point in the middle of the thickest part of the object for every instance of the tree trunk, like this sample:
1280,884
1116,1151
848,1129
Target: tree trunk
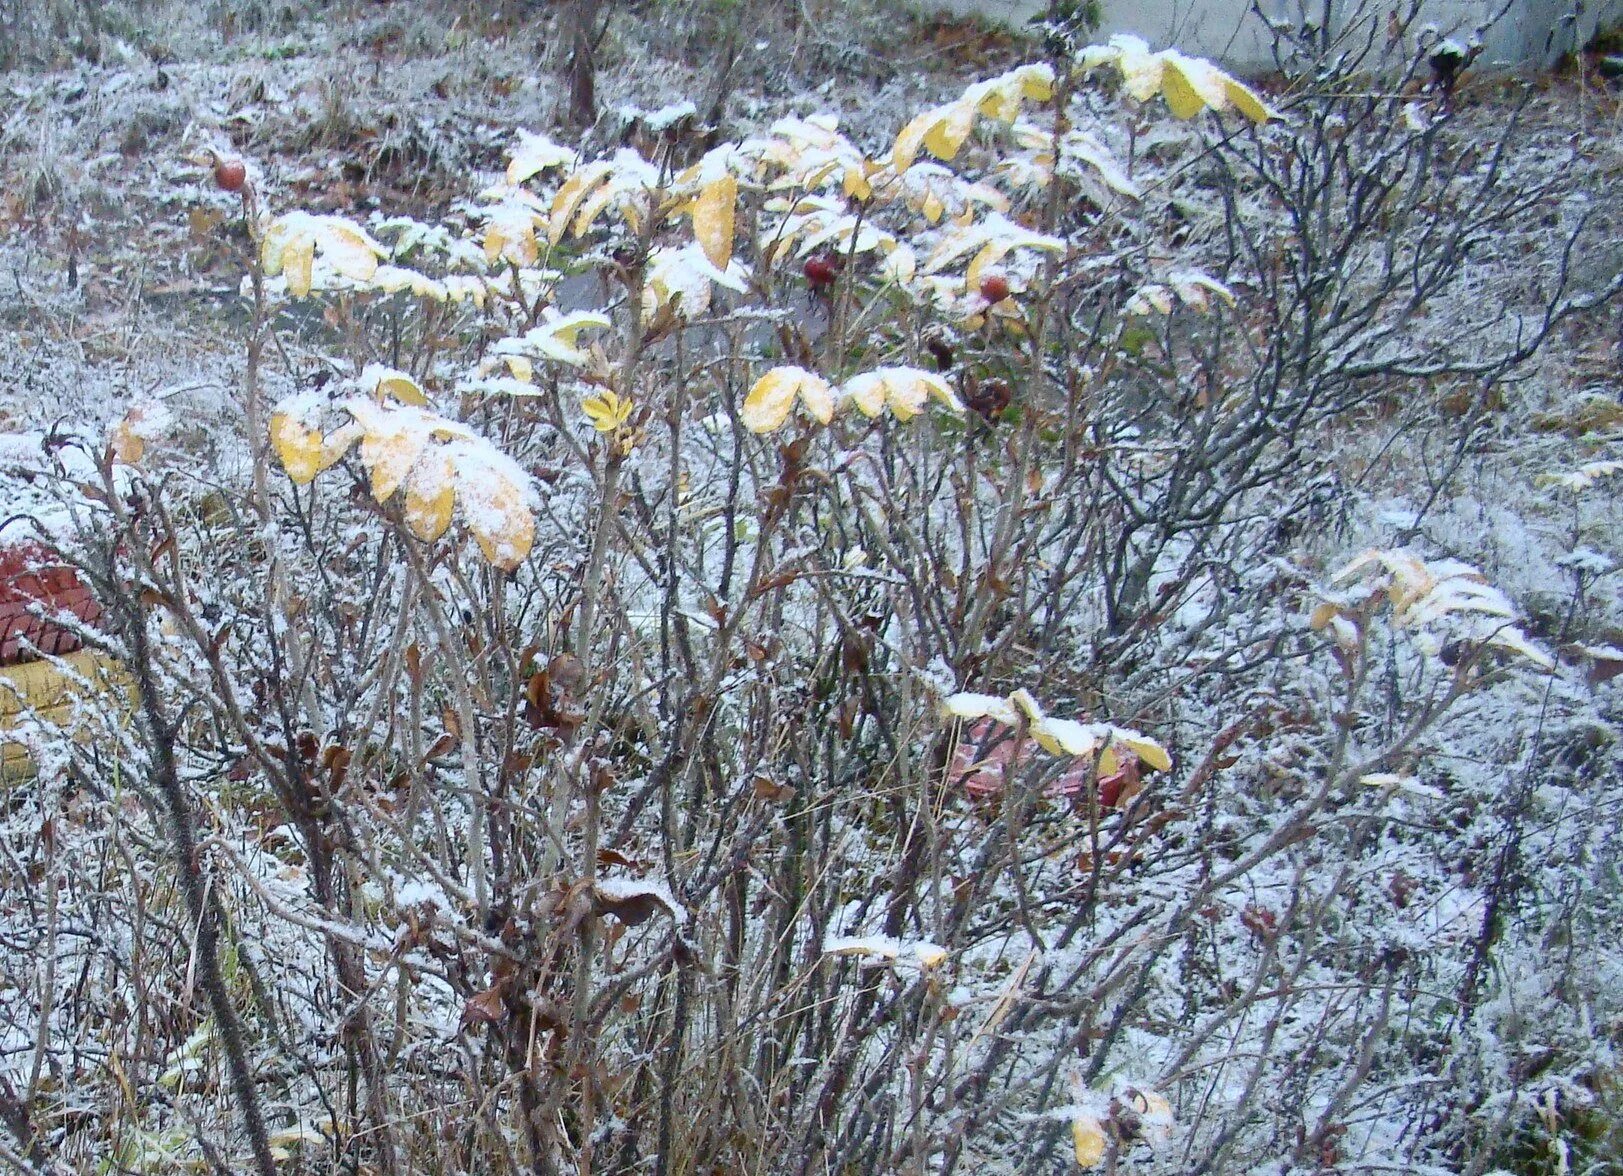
581,69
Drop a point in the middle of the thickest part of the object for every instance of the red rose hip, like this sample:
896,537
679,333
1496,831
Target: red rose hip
994,287
231,174
821,269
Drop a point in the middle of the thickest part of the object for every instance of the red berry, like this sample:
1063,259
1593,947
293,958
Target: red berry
231,174
821,269
994,287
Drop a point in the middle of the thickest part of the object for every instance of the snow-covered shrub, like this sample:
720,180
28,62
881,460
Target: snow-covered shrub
811,655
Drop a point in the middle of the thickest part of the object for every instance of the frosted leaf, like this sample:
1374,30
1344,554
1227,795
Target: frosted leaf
773,396
919,953
294,240
904,390
556,337
380,381
536,153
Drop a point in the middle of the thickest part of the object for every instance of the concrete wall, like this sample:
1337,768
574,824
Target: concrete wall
1532,32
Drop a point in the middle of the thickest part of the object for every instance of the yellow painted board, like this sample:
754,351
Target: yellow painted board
48,689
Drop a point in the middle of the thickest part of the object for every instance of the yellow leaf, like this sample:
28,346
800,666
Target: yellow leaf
1036,82
337,443
1109,764
768,403
388,456
911,140
1046,739
510,234
856,184
501,524
521,368
607,411
713,219
947,135
1322,615
570,196
1207,81
430,496
817,397
867,392
127,443
990,254
403,388
1026,703
1001,103
932,208
1149,752
297,262
1087,1140
591,209
298,447
632,211
1180,94
495,242
1246,100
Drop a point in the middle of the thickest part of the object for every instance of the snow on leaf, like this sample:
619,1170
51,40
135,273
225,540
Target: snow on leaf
1150,297
1084,148
1188,84
1583,477
994,236
682,278
555,338
293,241
772,397
1151,753
297,446
392,438
466,288
943,130
633,900
441,464
1193,287
536,153
494,496
904,390
1001,97
510,234
391,279
430,496
1512,640
1425,597
713,211
382,381
968,705
1061,736
144,422
1141,70
918,953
